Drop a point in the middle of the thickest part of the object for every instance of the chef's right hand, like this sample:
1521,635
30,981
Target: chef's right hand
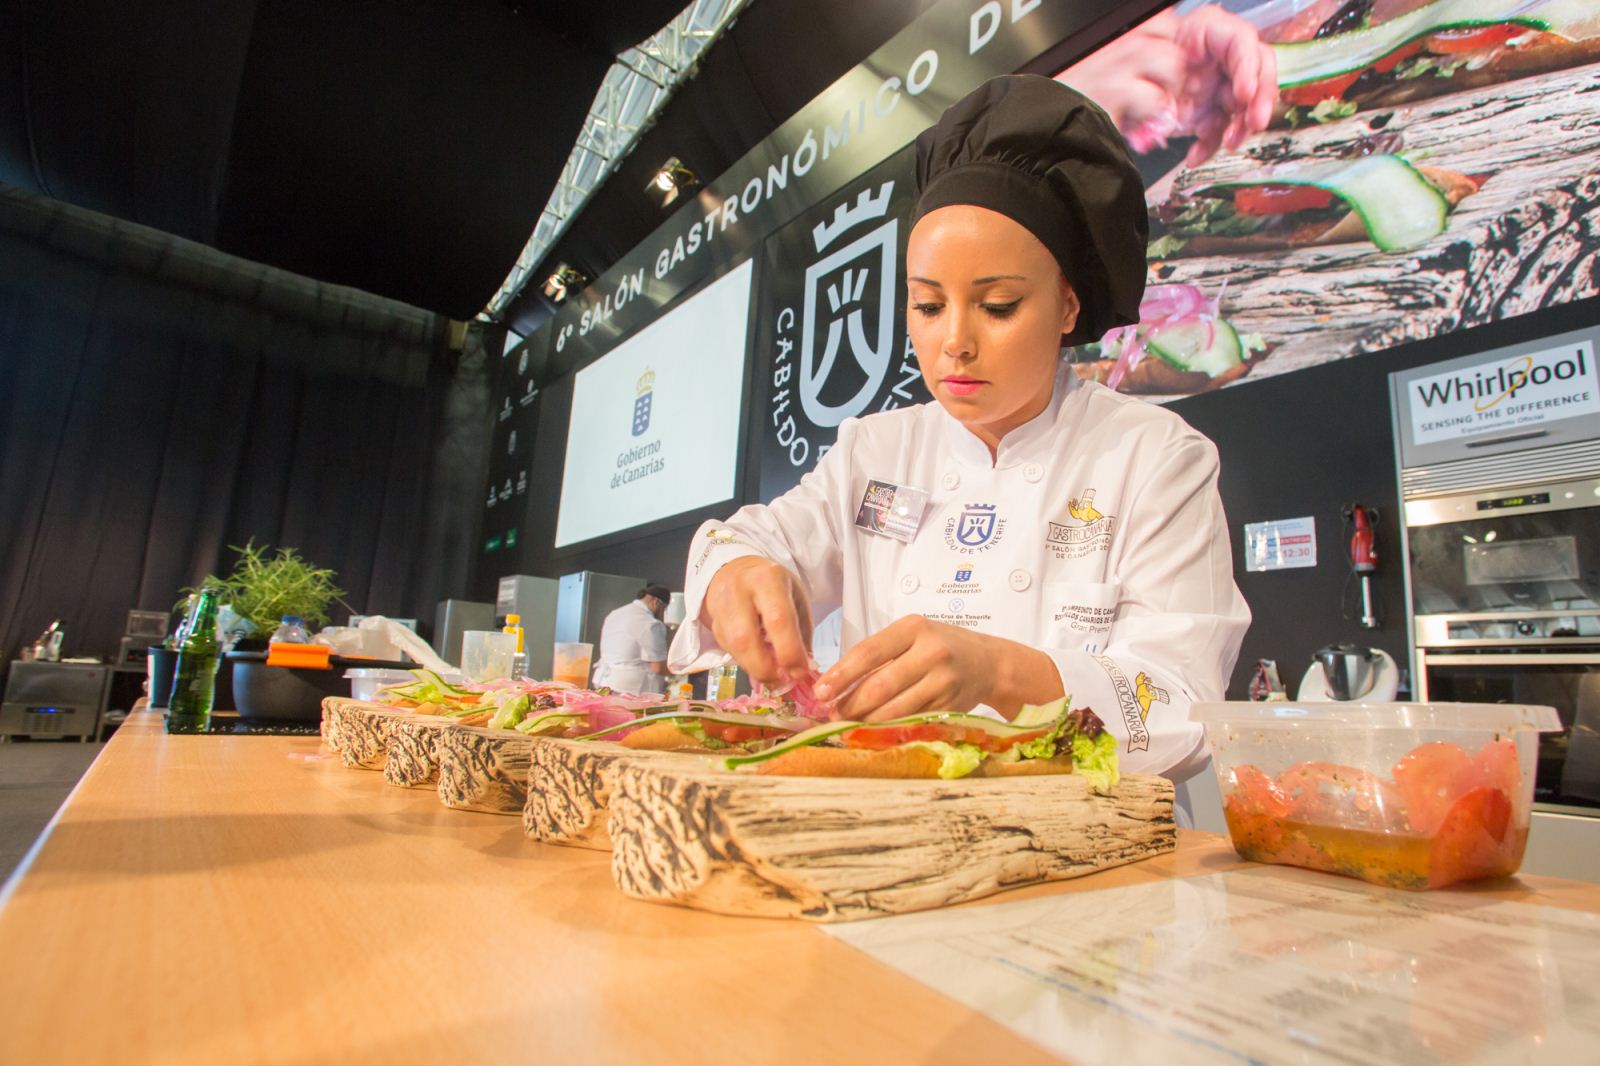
761,616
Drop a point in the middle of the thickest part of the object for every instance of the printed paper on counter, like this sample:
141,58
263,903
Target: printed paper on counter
1265,965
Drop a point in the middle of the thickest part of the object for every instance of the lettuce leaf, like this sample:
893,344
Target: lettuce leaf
512,710
1096,761
955,760
540,724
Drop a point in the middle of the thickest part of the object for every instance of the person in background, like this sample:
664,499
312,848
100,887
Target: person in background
633,644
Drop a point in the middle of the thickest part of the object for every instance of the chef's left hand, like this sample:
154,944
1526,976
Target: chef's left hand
915,665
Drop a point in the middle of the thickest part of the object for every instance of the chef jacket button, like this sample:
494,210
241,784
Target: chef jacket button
1020,580
909,583
1033,472
950,481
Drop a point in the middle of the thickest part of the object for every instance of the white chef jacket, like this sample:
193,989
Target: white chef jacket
1095,534
630,637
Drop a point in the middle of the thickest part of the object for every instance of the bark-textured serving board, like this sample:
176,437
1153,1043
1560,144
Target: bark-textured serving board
837,849
358,731
1529,238
484,769
569,787
413,757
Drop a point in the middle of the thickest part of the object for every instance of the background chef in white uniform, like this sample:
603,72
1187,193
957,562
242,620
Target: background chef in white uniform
1026,535
633,644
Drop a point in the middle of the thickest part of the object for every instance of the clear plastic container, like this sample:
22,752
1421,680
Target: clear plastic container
365,681
1411,795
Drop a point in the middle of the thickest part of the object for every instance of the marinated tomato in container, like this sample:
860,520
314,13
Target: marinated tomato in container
1443,814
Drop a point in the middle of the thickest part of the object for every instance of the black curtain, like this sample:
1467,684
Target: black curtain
160,401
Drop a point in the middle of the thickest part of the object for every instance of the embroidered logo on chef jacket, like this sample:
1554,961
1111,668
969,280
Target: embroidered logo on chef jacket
1134,699
715,538
1090,533
644,392
963,585
976,529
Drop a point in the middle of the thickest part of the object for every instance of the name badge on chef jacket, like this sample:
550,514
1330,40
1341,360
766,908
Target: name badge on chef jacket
891,510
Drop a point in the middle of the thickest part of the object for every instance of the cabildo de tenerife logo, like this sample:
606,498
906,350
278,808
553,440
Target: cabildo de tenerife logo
1089,532
643,393
1522,390
848,341
975,530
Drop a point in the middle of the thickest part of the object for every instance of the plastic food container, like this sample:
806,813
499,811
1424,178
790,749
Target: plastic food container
1411,795
364,682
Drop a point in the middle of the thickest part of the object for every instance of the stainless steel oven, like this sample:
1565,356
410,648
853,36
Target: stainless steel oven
1500,484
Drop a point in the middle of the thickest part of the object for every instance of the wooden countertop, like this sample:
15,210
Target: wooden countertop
248,899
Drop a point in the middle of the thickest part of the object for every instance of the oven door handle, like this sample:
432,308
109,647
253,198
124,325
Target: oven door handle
1573,659
1508,439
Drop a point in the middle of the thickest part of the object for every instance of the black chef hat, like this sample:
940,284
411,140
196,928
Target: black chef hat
1049,158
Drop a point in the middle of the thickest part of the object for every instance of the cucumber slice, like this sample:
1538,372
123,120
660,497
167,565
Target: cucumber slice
818,733
1310,61
1400,207
1196,347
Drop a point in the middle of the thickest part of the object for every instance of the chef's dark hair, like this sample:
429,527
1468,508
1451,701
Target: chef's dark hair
1047,157
660,592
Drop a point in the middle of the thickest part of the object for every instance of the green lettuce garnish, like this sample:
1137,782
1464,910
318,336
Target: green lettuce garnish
512,710
1333,108
955,760
1096,761
539,724
1164,247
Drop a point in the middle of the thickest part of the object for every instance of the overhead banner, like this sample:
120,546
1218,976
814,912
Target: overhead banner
831,321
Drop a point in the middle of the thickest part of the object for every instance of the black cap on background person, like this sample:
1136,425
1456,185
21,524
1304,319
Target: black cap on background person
1047,157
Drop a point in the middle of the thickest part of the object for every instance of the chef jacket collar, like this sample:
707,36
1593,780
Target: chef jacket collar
1036,440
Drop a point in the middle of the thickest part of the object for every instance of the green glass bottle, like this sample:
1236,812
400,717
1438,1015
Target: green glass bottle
194,682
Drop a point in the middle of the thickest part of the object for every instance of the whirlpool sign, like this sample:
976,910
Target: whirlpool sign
831,321
1511,393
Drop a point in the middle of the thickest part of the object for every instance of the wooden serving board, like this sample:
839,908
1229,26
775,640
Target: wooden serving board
358,731
1526,240
839,849
569,787
484,769
413,758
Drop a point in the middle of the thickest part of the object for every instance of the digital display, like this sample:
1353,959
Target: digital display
1514,501
655,421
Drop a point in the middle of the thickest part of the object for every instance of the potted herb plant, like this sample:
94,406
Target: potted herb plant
264,586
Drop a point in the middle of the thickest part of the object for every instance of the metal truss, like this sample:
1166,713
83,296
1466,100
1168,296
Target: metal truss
634,89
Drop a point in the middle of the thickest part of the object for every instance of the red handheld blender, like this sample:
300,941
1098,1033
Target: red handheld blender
1364,558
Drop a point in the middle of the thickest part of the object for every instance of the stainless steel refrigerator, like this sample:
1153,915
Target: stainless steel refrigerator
584,601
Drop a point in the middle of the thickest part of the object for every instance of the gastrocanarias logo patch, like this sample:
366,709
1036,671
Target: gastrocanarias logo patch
1089,532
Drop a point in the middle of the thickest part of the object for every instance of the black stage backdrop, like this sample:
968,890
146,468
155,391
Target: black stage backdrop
160,401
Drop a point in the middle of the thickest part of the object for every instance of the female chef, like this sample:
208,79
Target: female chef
1026,535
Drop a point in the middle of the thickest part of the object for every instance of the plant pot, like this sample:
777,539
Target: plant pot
287,693
281,693
160,664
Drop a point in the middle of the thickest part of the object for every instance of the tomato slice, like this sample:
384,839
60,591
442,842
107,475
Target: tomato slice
878,737
731,733
1398,56
1471,38
1256,793
1313,93
1280,199
1428,779
1474,840
1495,766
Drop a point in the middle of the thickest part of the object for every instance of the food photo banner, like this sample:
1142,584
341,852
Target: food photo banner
1422,168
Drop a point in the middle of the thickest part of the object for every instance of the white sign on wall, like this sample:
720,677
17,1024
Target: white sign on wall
1523,390
1280,545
